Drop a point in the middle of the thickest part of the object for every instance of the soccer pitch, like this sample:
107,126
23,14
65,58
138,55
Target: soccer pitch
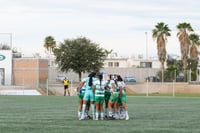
58,114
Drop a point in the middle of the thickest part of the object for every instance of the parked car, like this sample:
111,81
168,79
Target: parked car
129,79
60,78
152,79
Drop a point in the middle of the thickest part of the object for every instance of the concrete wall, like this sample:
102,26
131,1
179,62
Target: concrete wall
43,70
139,73
164,88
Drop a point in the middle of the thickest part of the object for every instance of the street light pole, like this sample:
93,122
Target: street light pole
11,40
146,33
147,63
147,84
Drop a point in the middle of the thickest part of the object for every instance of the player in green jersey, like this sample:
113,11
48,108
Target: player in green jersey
99,90
89,95
122,99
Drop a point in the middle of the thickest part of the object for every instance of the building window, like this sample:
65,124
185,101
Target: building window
2,76
116,64
149,64
110,64
146,64
142,64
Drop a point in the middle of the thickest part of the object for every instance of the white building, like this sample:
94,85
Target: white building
118,62
5,67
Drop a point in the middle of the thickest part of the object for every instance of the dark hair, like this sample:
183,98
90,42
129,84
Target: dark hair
100,76
91,75
110,76
119,78
113,76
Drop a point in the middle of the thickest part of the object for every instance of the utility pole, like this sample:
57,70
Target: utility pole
146,33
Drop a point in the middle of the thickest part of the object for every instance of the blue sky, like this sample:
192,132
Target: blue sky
114,24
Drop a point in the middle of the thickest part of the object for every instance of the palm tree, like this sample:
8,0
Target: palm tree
160,33
184,29
195,42
49,43
108,52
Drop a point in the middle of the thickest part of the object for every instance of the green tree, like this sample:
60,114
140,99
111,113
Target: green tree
192,67
183,36
49,43
79,55
174,62
170,60
160,33
174,68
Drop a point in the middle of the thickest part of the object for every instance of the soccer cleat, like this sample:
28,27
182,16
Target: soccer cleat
81,118
127,117
89,117
111,118
122,116
116,116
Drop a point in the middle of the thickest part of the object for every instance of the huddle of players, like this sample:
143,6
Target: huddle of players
105,98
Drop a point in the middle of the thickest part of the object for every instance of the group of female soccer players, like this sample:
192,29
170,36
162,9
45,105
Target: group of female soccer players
105,98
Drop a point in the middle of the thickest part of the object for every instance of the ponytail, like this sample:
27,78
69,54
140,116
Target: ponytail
91,75
100,79
90,81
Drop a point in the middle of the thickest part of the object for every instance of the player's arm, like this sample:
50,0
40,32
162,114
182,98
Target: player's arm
106,87
113,88
93,88
120,91
80,85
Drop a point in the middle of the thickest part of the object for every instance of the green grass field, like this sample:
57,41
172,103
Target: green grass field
58,114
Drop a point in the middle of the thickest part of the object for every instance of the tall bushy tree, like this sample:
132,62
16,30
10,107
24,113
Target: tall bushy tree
79,55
